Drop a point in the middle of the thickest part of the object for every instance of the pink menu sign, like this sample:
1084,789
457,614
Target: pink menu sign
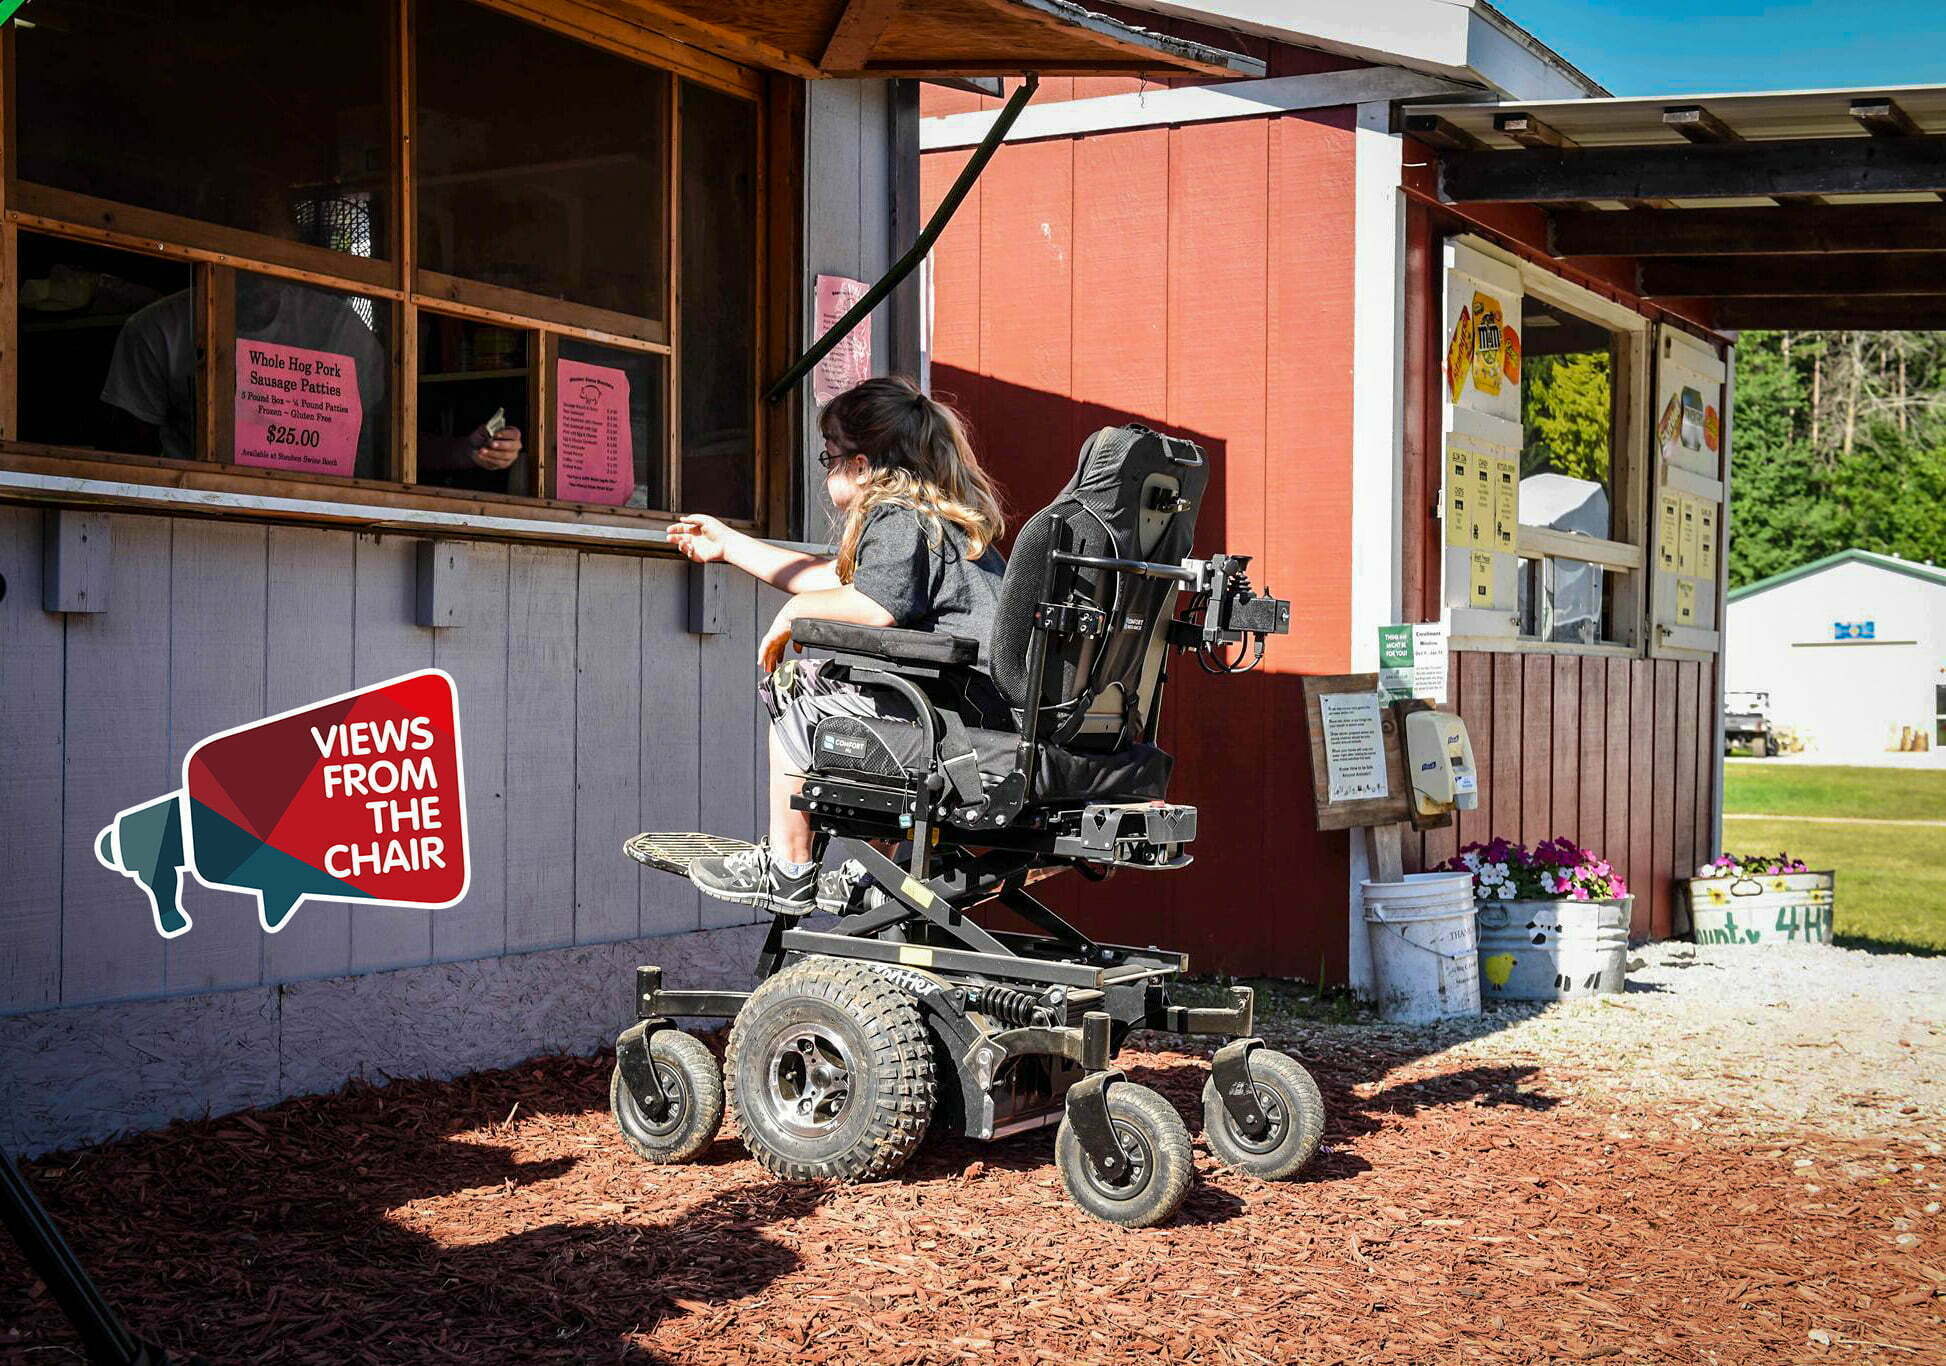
297,409
850,361
594,448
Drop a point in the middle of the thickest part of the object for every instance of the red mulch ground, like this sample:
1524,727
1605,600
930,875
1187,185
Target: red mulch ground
1457,1215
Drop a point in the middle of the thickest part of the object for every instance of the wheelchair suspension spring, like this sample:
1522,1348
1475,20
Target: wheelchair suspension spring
1009,1005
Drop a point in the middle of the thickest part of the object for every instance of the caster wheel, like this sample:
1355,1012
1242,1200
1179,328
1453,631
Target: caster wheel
830,1072
694,1085
1160,1165
1290,1103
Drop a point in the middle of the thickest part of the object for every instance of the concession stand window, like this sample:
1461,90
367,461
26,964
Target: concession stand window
339,267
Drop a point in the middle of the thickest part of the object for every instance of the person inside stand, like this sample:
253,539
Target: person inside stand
150,389
917,551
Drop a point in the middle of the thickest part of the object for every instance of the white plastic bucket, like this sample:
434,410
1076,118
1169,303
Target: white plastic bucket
1553,950
1425,963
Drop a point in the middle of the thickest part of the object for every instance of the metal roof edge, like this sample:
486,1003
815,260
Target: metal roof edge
1912,569
1514,32
1073,15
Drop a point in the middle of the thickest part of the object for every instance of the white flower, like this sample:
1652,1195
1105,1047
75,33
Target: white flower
1547,882
1472,861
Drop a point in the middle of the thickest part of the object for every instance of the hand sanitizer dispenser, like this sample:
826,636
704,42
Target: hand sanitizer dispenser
1439,756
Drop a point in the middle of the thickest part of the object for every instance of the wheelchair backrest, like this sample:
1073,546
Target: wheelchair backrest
1134,496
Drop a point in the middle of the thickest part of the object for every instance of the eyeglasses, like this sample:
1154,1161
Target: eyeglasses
830,458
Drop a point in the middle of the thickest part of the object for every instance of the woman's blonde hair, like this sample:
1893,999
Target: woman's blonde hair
918,457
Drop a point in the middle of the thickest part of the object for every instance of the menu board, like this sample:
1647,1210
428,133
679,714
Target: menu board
297,409
594,445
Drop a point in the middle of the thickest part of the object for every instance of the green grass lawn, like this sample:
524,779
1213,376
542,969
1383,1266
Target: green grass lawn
1891,889
1813,790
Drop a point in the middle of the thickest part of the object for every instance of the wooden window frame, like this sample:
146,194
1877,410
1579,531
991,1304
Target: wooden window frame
400,283
1625,556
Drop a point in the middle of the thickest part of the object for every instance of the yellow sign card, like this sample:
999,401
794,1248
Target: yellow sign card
1506,504
1666,530
1705,566
1480,593
1687,558
1459,492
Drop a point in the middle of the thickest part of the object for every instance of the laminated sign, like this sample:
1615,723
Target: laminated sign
1488,320
297,409
594,444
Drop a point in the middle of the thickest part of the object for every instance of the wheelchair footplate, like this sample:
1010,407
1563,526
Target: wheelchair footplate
673,851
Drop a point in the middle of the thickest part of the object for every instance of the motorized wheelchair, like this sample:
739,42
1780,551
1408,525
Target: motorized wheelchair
910,1016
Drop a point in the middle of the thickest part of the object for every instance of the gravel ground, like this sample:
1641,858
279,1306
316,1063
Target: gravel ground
1748,1041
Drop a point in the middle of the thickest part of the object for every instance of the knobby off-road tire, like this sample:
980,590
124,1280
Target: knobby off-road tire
1289,1099
692,1080
831,1074
1161,1166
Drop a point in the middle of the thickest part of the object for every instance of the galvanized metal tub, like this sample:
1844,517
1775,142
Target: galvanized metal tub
1773,908
1553,950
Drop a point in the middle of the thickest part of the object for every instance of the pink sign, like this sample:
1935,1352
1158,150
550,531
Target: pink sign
595,450
850,361
297,409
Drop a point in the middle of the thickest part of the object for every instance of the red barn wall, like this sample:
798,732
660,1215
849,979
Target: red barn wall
1197,279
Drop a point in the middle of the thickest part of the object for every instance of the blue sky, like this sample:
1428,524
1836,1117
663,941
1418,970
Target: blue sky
1660,47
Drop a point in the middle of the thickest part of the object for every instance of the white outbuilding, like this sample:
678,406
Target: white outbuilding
1851,650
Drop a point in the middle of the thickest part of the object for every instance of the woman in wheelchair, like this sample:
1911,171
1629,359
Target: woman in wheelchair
917,551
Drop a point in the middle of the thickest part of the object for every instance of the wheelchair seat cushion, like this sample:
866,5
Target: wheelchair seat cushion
892,749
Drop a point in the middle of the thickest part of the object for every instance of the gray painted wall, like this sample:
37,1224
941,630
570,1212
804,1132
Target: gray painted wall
859,217
588,711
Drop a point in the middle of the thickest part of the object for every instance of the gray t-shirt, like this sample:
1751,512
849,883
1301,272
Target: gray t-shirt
928,587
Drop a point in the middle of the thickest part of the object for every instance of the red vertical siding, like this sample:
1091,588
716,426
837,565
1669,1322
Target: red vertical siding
1626,803
1565,787
1615,737
1641,794
1129,277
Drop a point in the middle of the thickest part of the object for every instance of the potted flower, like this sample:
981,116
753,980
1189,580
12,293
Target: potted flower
1760,899
1553,920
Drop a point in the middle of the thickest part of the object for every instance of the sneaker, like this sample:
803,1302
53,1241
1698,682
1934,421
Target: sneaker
847,889
749,877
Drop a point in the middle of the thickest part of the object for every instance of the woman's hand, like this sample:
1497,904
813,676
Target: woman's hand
771,652
701,537
498,450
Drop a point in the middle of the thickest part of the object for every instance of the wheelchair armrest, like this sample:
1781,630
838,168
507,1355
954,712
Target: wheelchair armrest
890,643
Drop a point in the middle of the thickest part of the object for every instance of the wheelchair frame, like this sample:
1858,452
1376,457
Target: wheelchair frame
993,998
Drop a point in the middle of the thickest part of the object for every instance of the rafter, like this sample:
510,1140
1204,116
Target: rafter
1736,170
1703,277
1834,228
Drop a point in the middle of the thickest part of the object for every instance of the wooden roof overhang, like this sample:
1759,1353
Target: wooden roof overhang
1791,209
927,38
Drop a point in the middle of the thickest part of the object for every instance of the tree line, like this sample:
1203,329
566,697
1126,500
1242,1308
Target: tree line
1839,441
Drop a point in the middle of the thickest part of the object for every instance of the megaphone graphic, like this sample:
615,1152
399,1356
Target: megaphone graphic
359,797
145,843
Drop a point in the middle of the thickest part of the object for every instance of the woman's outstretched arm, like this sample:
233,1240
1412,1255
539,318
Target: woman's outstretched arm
705,539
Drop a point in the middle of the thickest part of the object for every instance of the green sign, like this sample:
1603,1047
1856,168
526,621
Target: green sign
8,8
1395,647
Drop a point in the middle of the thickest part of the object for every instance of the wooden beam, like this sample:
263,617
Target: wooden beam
1735,170
1701,126
1435,131
1883,118
1698,124
857,32
1834,313
1706,277
1529,131
1835,228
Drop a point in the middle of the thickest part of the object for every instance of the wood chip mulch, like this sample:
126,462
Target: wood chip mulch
1459,1213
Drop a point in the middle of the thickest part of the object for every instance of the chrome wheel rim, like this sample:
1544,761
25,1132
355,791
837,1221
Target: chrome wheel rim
809,1080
